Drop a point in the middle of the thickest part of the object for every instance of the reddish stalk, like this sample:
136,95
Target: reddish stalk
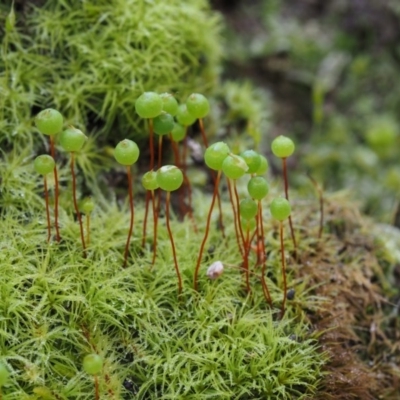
238,214
203,133
87,229
287,198
155,217
205,142
234,217
46,198
146,212
96,388
128,170
263,260
56,194
321,205
283,268
173,245
197,269
246,259
78,214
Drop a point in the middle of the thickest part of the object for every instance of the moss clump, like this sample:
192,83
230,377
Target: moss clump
94,58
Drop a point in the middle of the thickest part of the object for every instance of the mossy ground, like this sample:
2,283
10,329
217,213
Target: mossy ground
337,339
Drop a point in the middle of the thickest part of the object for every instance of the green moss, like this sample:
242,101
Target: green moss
92,59
56,307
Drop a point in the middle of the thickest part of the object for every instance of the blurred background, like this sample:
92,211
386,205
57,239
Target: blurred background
330,73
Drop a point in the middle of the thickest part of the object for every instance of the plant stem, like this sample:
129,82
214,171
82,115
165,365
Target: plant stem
196,271
96,388
87,229
287,198
46,198
263,260
151,167
78,214
52,153
128,170
155,225
246,259
238,213
283,268
234,216
203,133
173,246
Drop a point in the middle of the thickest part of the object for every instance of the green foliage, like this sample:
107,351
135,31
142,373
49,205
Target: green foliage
91,60
57,307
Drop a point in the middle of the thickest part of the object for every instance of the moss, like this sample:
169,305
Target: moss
92,59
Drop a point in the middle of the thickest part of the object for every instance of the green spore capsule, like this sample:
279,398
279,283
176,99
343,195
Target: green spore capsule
264,166
72,139
170,105
149,105
183,116
215,155
49,121
92,364
87,205
163,123
178,132
257,187
44,164
126,152
197,105
248,224
248,208
253,160
169,178
280,208
4,374
282,146
234,167
149,180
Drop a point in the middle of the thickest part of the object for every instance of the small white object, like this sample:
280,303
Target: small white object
215,270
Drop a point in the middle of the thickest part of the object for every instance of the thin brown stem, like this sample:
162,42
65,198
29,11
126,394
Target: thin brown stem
155,225
87,229
175,150
283,268
151,167
160,140
234,217
267,295
203,133
46,198
238,212
246,259
286,183
96,388
173,245
128,170
321,205
56,194
203,243
78,214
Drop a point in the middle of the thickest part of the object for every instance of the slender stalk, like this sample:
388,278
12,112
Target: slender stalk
205,142
246,259
160,140
283,268
128,170
78,214
173,245
175,150
321,205
155,225
56,194
203,132
46,198
238,213
263,260
87,229
96,388
197,269
234,217
287,198
151,167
